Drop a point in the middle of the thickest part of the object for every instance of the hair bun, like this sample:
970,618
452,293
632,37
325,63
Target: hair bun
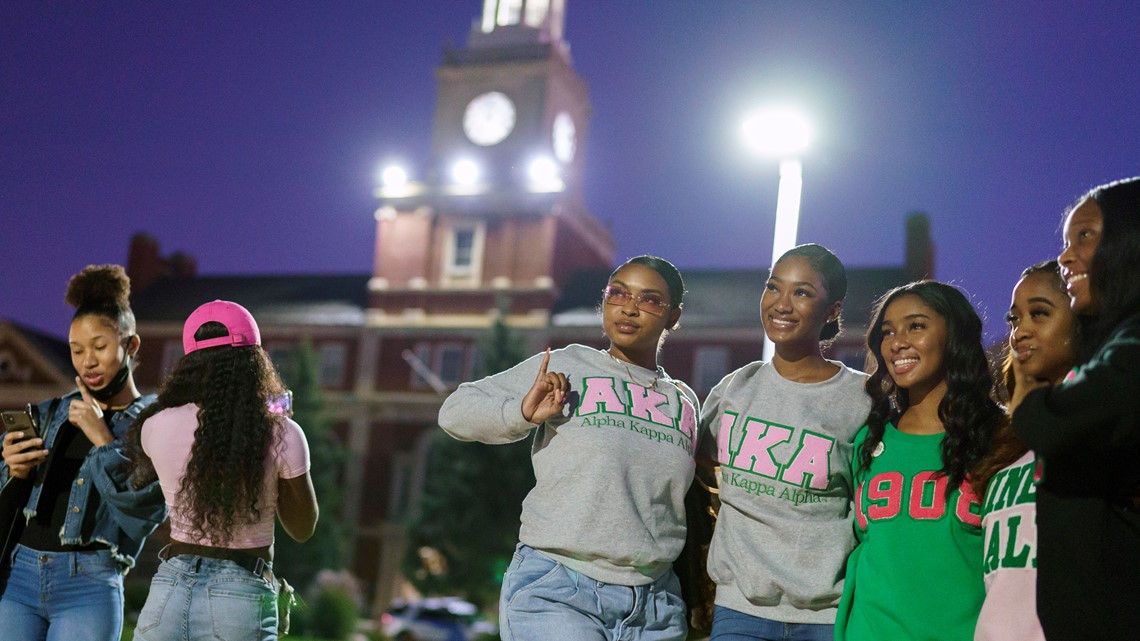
99,286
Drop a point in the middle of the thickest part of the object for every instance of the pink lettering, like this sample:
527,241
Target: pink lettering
756,446
600,392
811,465
860,517
885,490
968,510
647,404
928,496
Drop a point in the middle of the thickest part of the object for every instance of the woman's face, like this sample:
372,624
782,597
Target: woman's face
635,325
914,344
1082,232
97,350
1041,327
794,306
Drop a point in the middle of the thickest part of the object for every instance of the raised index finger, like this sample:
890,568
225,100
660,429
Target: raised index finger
542,367
83,391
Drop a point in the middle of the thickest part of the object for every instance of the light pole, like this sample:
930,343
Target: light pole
781,133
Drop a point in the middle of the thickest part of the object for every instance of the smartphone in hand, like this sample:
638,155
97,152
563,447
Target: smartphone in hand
21,421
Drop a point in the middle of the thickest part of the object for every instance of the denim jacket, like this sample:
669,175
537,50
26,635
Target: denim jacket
104,507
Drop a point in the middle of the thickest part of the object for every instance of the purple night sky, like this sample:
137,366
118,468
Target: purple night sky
248,134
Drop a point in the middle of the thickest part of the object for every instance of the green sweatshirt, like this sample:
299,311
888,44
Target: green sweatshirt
915,574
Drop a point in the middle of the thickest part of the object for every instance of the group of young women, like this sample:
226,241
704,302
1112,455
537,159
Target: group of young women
109,464
904,503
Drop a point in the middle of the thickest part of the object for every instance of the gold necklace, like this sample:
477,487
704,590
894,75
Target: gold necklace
652,384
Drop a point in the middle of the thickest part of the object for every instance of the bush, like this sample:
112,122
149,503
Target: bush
332,614
134,598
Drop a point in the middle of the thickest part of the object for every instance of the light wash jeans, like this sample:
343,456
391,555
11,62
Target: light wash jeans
62,596
543,600
730,625
196,598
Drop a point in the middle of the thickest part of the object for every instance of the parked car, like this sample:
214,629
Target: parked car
435,619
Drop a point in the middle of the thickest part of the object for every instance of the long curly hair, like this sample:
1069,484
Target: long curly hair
968,412
232,387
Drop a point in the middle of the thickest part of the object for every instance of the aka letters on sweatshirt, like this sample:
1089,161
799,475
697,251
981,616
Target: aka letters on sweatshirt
611,473
784,528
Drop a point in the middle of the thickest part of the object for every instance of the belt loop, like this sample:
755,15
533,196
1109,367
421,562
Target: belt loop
261,567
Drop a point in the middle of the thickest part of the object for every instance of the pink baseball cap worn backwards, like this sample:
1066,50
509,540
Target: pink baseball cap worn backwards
237,319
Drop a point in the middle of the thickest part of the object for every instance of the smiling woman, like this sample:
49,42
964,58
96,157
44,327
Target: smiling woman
917,519
1086,429
613,459
79,514
781,432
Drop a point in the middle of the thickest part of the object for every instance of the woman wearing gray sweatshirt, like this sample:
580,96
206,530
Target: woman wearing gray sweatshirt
613,458
782,432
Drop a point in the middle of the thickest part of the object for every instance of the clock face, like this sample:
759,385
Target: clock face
489,118
563,133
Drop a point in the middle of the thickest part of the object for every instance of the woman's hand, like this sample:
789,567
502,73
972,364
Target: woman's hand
1023,384
547,396
21,454
86,414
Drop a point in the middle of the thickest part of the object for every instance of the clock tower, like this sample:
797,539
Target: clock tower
497,215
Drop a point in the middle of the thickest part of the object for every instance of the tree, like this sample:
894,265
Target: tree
300,562
463,533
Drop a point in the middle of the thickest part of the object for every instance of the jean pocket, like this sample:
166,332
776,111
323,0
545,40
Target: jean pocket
242,609
98,568
161,587
531,568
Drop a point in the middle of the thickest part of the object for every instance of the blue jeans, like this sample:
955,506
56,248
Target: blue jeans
62,596
730,625
198,598
545,600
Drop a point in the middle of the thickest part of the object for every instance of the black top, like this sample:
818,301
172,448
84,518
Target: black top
1087,430
42,532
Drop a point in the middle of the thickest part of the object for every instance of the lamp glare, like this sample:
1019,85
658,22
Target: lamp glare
778,131
543,170
465,172
394,176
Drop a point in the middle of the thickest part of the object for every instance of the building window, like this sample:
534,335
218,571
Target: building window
463,254
536,12
450,363
422,352
463,250
710,364
509,12
332,358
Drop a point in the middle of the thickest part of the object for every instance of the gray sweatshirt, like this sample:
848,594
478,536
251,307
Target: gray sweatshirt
784,531
611,472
